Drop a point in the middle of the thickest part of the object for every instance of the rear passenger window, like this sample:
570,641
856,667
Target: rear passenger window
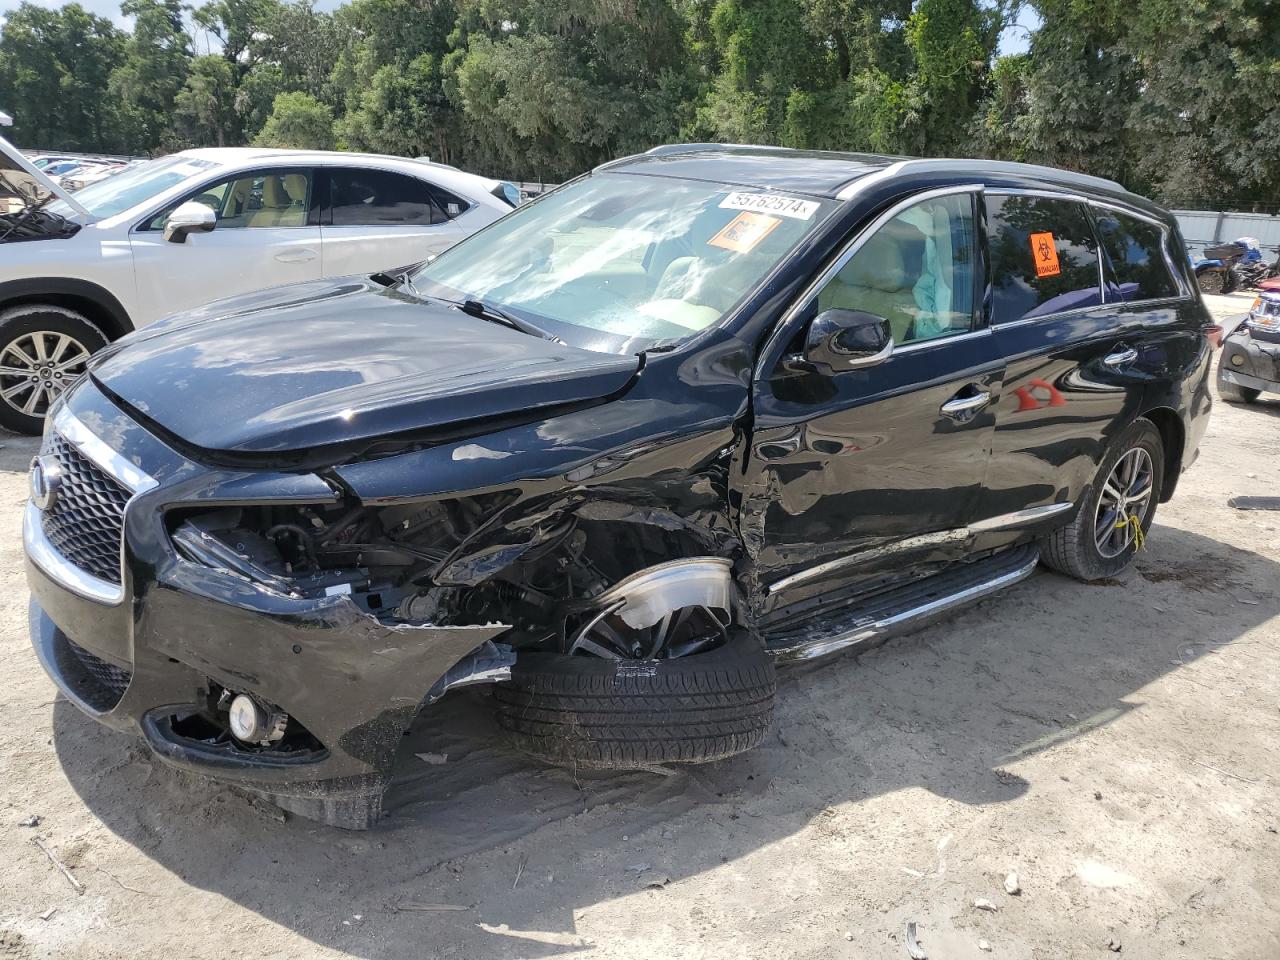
372,198
1134,248
1044,257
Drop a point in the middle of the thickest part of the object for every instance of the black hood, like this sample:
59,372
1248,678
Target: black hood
332,363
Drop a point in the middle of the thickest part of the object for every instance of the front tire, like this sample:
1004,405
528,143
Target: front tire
1098,543
1213,281
622,714
43,348
1233,392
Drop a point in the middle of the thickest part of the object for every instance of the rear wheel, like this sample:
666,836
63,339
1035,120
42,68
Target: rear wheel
43,348
1233,392
1117,511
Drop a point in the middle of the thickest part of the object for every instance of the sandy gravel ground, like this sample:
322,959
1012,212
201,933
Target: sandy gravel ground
1114,745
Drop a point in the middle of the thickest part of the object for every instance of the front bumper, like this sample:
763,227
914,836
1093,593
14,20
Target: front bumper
1251,362
142,655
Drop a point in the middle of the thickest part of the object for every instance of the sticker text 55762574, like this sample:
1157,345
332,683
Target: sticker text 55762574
774,203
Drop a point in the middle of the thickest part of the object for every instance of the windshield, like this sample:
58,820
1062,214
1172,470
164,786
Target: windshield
620,261
137,185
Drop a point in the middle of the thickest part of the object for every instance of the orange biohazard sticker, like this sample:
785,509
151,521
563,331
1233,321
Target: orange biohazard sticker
743,232
1044,253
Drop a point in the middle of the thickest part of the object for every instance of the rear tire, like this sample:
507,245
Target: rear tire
1078,549
43,348
618,714
1233,392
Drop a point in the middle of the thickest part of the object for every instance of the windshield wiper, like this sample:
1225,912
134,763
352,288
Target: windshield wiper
406,283
484,311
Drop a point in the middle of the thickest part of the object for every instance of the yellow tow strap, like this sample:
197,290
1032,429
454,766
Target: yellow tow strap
1132,521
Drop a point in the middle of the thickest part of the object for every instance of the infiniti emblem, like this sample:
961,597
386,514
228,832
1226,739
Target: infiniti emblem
46,476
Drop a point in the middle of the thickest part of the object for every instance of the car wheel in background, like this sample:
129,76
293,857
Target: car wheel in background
43,348
1233,392
1116,514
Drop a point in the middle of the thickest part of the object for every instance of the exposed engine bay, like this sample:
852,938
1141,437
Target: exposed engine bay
569,585
22,211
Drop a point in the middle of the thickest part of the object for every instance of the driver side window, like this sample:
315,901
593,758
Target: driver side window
916,271
262,198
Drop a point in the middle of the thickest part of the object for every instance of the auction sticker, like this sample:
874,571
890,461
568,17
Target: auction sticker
774,203
743,232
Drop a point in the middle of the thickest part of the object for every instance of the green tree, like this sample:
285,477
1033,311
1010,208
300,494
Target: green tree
1080,86
146,84
390,68
997,128
766,55
952,43
299,121
550,88
205,108
54,69
1209,111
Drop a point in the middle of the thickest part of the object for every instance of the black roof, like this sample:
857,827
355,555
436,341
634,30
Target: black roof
826,173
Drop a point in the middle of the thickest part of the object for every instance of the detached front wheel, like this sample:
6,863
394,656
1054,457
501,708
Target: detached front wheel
602,712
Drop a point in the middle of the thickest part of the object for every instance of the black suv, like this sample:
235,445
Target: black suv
694,413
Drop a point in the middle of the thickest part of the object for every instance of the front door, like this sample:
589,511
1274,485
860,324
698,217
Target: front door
857,474
379,220
264,237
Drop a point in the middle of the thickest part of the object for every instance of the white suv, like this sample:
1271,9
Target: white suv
177,232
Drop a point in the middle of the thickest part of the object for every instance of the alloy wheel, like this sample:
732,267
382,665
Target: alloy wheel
681,633
36,367
1124,504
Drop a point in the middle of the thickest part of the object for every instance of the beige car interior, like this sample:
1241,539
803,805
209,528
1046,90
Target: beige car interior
284,201
905,273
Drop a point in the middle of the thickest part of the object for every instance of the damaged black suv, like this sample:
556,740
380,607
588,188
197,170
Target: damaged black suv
693,413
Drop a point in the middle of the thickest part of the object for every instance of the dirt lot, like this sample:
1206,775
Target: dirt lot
1115,745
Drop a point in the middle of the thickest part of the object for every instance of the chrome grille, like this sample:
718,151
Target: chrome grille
85,523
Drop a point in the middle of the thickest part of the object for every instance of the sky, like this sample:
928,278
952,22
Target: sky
1013,40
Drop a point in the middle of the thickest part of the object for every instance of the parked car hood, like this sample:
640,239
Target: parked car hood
332,363
21,180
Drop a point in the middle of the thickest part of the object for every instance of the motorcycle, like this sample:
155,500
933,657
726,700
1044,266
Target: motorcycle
1237,265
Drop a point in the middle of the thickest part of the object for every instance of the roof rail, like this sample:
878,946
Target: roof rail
667,149
1016,169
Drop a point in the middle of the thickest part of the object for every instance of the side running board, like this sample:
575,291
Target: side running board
911,605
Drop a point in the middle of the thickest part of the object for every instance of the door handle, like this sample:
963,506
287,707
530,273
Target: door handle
960,408
1120,356
302,255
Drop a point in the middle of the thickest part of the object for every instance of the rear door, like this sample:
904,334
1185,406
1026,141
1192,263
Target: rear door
266,235
857,474
1073,360
381,219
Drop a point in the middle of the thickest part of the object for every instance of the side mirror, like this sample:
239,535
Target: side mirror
847,340
190,217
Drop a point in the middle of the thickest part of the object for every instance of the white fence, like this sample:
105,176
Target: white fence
1201,228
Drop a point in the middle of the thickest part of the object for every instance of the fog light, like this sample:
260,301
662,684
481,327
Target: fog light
1237,360
252,723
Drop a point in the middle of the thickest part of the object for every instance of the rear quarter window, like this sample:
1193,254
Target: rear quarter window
1044,257
1133,247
